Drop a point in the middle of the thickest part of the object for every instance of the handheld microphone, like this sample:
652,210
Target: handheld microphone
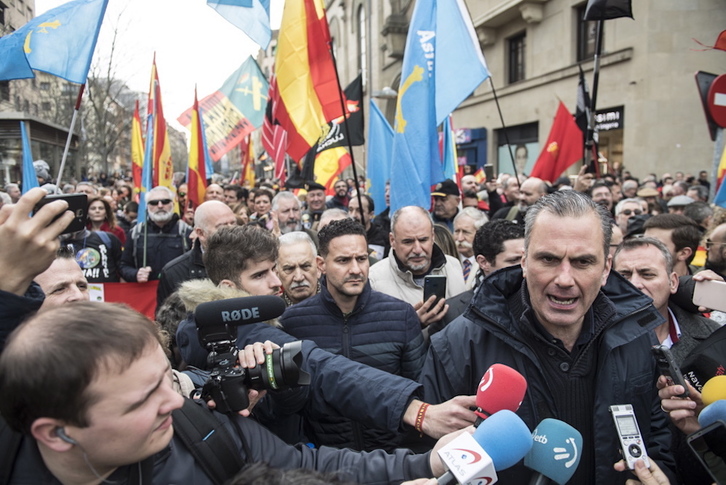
216,319
713,412
714,390
497,444
555,454
501,387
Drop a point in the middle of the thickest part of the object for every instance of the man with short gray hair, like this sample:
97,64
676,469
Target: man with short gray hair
13,190
297,268
466,223
555,320
153,243
287,208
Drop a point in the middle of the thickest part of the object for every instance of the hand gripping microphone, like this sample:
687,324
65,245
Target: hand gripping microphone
497,444
714,390
501,387
216,319
555,453
713,412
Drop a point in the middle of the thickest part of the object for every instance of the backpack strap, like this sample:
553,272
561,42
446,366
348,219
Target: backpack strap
104,237
9,446
208,441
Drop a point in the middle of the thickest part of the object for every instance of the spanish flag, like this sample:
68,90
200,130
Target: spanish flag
161,152
196,176
307,84
137,150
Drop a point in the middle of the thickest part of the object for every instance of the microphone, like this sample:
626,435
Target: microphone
555,454
216,319
712,413
714,390
501,387
497,444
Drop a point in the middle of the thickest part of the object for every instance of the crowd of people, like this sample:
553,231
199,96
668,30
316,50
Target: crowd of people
569,282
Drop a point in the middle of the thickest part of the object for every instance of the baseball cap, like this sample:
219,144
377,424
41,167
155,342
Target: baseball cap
447,187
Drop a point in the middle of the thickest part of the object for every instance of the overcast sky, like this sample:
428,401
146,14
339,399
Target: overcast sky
193,44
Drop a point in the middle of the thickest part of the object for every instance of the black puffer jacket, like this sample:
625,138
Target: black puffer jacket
381,331
490,333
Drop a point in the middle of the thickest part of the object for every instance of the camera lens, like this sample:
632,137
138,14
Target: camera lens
281,369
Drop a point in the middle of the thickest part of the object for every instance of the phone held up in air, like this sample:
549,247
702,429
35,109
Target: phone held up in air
710,294
631,441
489,172
434,285
77,203
709,445
667,367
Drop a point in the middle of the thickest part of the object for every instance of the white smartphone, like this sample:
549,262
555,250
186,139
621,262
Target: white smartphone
710,294
631,441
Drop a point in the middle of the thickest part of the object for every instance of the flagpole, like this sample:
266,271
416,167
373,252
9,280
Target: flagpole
506,131
593,99
347,133
70,134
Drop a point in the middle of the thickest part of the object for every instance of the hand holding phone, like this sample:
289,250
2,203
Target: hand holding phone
77,204
434,285
668,368
709,445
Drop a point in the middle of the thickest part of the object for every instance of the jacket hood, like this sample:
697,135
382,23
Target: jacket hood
498,287
195,292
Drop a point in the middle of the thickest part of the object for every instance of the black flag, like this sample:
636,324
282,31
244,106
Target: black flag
608,9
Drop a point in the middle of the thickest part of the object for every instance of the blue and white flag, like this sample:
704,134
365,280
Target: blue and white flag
250,16
60,42
30,179
146,173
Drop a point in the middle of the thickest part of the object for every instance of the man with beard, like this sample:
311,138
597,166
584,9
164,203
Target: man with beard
297,268
340,199
716,247
156,241
446,203
601,194
530,192
287,208
348,318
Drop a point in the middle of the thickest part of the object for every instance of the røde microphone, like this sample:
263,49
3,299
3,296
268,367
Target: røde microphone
497,444
713,390
216,319
712,413
501,387
555,453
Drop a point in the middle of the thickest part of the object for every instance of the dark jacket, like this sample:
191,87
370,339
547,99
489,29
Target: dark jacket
162,245
489,333
188,266
15,309
98,254
175,464
338,385
381,331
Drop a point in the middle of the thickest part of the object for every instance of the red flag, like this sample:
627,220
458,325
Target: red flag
137,151
161,155
563,148
197,178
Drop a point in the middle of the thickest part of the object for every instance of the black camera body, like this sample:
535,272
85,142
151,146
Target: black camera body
228,383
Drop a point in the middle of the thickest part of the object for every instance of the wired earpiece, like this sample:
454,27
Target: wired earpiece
62,435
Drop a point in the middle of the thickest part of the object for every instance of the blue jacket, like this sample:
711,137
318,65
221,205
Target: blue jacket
489,333
381,331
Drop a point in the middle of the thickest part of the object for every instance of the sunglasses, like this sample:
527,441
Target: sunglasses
637,212
159,202
182,194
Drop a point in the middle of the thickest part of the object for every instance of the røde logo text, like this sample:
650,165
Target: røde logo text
243,314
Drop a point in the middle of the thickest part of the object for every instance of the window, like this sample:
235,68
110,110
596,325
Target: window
35,109
517,50
4,90
44,86
586,36
45,106
362,42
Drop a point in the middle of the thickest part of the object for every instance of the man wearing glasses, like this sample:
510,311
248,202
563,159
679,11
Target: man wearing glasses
155,242
626,209
716,246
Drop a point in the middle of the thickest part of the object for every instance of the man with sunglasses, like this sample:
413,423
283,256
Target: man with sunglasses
626,209
155,242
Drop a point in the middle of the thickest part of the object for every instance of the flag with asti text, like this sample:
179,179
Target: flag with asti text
233,111
60,42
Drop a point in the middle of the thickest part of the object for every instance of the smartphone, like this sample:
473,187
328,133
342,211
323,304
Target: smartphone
631,441
710,294
77,203
434,285
709,445
489,172
667,367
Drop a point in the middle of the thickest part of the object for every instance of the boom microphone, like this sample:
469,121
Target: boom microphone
501,387
712,413
497,444
556,452
216,319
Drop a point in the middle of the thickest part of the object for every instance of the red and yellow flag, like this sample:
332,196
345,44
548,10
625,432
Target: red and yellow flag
137,151
306,80
161,151
197,177
248,162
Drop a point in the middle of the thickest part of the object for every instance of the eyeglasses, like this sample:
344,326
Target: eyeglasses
182,194
627,212
710,243
159,202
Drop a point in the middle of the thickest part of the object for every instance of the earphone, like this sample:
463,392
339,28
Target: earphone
62,435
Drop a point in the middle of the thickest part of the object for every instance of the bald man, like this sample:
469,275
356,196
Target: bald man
209,217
